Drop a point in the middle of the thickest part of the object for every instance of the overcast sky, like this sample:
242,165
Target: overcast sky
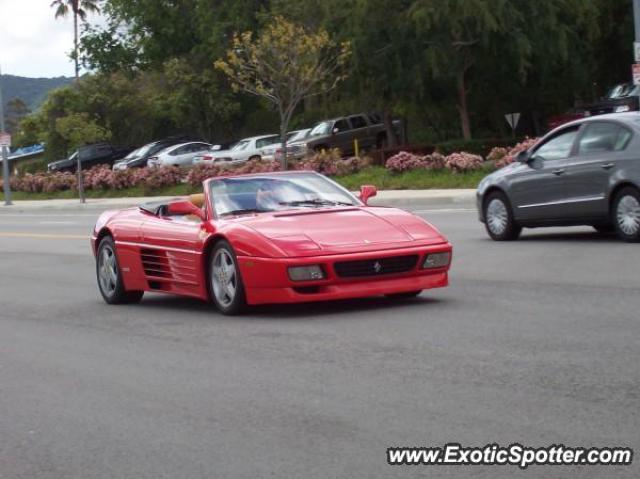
32,42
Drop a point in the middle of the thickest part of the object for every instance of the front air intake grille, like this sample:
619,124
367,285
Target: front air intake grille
376,267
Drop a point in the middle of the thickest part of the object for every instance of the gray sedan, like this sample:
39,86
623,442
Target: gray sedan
583,173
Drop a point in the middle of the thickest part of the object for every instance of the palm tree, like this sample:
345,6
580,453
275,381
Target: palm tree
79,9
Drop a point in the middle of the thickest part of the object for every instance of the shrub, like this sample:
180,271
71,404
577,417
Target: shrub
404,161
513,152
162,176
330,163
201,172
257,166
497,153
463,161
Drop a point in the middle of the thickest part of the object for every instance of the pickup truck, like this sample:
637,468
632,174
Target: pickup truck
341,132
90,155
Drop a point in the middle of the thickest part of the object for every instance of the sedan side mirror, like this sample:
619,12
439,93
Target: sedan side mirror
366,192
523,157
216,148
335,130
185,207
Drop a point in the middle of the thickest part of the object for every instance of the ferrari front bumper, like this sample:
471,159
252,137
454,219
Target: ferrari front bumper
266,279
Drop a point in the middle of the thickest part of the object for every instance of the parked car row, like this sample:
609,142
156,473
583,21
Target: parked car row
365,130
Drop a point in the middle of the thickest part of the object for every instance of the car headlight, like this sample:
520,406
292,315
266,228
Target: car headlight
436,260
306,273
621,108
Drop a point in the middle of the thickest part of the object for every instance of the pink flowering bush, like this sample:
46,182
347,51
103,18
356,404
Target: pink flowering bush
463,161
162,176
513,152
497,153
203,171
434,161
257,166
330,163
404,161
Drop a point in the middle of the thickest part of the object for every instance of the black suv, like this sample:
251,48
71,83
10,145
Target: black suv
90,155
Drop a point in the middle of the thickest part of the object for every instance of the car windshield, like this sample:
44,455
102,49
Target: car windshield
259,194
270,140
133,154
322,128
297,135
623,90
241,145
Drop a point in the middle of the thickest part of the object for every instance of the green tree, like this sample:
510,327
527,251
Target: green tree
79,9
79,130
285,64
16,111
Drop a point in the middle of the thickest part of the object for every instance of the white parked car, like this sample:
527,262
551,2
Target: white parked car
248,149
179,155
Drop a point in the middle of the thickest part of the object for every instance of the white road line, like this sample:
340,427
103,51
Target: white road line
446,210
57,222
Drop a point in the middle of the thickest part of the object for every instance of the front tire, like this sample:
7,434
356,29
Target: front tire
255,158
226,288
625,214
109,276
498,218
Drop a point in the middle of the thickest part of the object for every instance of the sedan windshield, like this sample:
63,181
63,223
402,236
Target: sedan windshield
259,194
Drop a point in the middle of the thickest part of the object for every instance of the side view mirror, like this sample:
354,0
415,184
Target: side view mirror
366,192
216,148
523,157
185,207
335,130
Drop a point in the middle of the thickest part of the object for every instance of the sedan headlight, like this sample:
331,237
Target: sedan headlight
306,273
436,260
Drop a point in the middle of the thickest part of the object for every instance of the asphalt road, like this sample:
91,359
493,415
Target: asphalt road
536,342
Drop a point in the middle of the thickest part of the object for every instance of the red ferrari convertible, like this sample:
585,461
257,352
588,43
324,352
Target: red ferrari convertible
267,238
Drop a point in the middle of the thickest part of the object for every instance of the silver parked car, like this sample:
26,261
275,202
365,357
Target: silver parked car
583,173
181,154
246,149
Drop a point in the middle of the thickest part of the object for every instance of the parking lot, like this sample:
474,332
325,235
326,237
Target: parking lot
535,341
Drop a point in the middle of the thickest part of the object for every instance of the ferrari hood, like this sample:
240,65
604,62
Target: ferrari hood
334,231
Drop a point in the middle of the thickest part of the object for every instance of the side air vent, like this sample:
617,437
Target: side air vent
155,263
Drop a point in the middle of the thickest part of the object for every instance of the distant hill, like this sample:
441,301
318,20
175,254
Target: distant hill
30,90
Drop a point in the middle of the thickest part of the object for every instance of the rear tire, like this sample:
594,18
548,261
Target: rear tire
226,288
407,295
255,157
498,218
625,214
109,276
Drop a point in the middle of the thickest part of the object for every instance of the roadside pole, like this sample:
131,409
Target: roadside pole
5,155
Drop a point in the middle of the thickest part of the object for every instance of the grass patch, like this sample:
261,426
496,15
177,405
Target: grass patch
374,175
412,180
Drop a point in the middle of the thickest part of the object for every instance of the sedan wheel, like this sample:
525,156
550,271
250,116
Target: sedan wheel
226,287
109,277
499,221
626,214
